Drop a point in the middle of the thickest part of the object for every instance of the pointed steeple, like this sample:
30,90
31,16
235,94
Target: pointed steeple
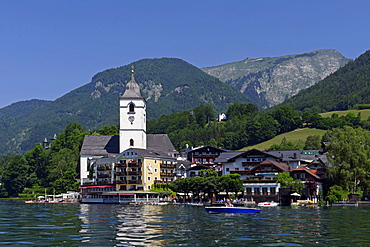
132,88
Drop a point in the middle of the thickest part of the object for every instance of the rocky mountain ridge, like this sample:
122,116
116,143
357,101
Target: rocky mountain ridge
271,80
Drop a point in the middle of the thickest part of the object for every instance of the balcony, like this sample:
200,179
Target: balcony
134,164
120,173
103,175
168,174
120,165
205,155
134,173
250,163
172,166
162,181
121,182
135,181
103,168
259,180
105,181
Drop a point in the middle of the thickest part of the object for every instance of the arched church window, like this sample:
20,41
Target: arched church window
131,142
131,107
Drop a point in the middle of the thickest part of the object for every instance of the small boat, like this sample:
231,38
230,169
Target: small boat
159,203
232,210
268,204
193,204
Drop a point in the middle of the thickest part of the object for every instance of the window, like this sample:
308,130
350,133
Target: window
272,190
148,187
256,191
131,142
237,169
148,178
131,107
227,169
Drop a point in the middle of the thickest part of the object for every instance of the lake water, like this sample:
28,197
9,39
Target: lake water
24,224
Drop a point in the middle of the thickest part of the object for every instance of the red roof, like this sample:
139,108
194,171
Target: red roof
312,172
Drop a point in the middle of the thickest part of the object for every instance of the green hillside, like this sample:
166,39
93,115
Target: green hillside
292,136
168,84
342,90
365,114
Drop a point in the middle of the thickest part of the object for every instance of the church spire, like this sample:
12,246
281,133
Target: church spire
132,88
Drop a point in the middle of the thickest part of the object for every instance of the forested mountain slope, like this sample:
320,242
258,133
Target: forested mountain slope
270,80
169,85
342,90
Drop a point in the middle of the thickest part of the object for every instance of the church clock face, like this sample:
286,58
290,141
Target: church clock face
131,119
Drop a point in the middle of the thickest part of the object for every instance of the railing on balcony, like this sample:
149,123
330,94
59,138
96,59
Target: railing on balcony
104,175
105,181
103,168
168,165
134,173
121,181
120,173
168,174
134,181
259,180
129,164
162,181
250,163
120,165
134,164
205,155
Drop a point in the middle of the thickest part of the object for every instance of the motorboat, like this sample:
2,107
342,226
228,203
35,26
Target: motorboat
268,204
232,210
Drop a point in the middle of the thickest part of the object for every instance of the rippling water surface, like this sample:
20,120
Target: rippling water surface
121,225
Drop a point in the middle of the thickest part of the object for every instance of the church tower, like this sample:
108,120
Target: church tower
132,111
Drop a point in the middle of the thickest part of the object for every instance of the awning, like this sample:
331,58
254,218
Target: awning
126,194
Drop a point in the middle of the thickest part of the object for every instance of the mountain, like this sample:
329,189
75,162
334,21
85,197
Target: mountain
271,80
22,107
342,90
169,85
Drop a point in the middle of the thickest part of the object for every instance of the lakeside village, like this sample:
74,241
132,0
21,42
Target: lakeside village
124,168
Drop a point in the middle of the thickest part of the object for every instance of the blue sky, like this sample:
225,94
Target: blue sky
49,48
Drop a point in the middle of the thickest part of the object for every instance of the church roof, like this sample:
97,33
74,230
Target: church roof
159,142
108,146
132,89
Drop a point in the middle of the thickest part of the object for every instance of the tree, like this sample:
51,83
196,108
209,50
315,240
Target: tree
67,182
17,175
208,173
38,160
337,193
284,179
241,111
312,142
349,155
288,118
